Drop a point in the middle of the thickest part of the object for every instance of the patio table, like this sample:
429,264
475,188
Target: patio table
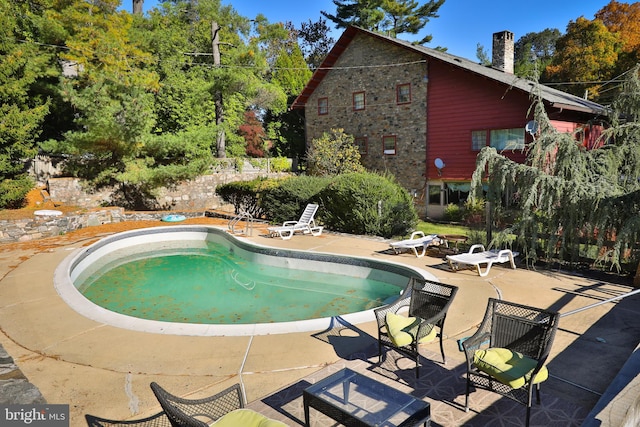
355,400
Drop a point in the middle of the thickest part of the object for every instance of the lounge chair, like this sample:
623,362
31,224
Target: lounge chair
477,258
306,224
417,240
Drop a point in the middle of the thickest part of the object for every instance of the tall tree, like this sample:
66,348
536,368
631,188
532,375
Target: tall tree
315,41
391,17
534,51
585,56
361,13
22,112
623,19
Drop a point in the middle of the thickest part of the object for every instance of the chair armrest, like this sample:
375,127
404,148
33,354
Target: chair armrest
289,223
420,234
505,252
475,342
394,307
477,246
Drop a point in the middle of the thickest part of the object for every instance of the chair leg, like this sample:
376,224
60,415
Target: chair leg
444,360
528,415
466,397
538,393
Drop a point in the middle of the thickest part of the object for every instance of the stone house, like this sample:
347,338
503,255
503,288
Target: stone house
423,115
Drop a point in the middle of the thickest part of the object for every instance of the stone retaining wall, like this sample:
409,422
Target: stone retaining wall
195,194
38,227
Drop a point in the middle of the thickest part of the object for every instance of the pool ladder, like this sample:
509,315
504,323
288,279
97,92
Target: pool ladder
248,219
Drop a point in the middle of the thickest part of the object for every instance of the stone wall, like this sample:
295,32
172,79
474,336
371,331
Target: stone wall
196,194
40,226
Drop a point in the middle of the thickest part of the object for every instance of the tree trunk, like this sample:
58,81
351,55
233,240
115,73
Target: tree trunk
220,140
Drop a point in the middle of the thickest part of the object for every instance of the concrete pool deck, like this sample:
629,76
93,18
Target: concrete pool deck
106,371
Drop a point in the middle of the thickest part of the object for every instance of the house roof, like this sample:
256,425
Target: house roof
553,97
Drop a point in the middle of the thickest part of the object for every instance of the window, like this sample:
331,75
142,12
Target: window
323,106
457,192
403,93
478,139
361,143
358,101
507,139
389,144
434,194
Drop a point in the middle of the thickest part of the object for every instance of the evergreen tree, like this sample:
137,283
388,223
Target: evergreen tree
22,111
391,17
567,194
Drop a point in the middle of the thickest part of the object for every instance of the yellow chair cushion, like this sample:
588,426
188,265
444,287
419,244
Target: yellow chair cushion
246,418
509,367
398,327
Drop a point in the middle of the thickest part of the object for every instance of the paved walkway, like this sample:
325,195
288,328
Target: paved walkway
106,371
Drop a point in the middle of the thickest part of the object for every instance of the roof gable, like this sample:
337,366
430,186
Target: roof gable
554,97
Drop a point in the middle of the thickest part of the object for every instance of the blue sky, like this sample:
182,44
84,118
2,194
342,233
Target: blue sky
461,26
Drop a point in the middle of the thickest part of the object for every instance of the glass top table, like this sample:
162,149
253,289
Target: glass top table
356,400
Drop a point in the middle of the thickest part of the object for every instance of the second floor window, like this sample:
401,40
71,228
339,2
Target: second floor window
323,106
358,101
403,93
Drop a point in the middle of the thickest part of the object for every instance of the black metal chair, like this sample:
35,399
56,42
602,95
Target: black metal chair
157,420
427,302
191,412
184,412
508,352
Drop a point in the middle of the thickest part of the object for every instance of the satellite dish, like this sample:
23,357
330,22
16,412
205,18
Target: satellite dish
439,163
532,127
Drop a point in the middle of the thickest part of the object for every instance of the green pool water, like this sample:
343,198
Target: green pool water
212,285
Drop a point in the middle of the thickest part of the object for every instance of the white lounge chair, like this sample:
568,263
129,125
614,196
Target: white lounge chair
483,256
306,224
417,240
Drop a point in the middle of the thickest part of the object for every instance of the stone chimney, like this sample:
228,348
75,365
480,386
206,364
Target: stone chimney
137,7
503,51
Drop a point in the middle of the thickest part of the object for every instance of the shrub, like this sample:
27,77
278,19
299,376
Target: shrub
14,191
286,198
368,203
453,213
333,153
474,212
280,164
243,195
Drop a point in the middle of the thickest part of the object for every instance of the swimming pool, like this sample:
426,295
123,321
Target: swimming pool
127,249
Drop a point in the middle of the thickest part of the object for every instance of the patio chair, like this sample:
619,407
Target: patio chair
482,256
158,420
427,304
508,352
226,409
417,240
306,224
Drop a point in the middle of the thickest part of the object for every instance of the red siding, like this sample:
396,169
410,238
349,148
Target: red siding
459,102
